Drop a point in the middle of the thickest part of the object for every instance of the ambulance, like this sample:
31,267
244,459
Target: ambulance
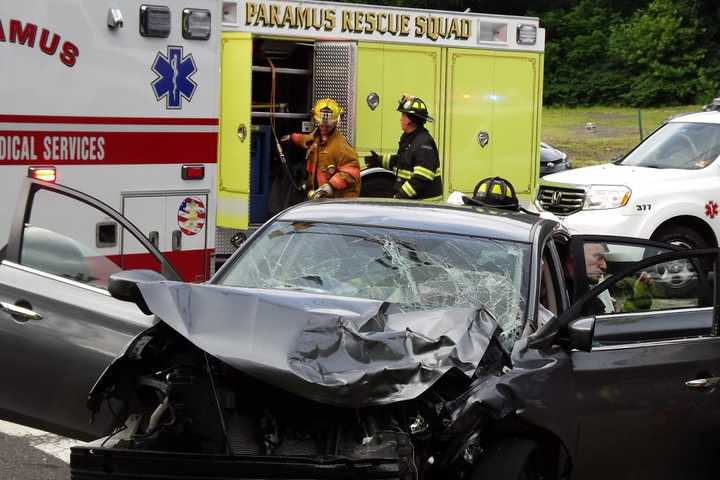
117,99
480,75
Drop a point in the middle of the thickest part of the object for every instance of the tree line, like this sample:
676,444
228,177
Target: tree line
617,52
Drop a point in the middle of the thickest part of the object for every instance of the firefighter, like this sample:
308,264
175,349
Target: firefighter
332,163
416,163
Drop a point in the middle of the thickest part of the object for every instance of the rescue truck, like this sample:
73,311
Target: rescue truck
480,75
118,99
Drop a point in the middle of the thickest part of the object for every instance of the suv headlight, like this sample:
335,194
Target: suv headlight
603,197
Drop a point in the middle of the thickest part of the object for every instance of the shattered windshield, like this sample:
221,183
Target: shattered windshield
413,270
687,146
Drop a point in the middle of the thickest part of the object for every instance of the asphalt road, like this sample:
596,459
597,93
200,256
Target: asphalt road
28,454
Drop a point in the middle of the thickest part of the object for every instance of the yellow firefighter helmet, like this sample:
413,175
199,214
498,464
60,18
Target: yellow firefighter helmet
326,112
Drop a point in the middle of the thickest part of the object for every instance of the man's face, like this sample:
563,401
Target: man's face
406,124
595,263
325,129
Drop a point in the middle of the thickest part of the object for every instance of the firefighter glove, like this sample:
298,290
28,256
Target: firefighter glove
323,191
373,160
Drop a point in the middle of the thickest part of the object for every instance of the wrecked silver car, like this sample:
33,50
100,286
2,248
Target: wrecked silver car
375,339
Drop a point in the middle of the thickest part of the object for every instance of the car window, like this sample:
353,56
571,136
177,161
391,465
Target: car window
82,243
592,261
413,270
664,300
549,300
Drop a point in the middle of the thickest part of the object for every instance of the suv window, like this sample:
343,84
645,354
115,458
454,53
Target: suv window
689,146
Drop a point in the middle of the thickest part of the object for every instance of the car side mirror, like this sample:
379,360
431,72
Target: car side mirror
580,333
124,286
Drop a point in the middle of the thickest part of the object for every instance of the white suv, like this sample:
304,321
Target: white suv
667,188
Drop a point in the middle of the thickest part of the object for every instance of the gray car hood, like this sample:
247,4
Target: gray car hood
335,350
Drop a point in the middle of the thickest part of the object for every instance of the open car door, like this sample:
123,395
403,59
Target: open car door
59,326
647,396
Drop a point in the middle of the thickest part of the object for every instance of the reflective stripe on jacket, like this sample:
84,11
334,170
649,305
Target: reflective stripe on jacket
416,166
333,161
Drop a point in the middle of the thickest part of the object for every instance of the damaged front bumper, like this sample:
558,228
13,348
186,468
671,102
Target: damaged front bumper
89,463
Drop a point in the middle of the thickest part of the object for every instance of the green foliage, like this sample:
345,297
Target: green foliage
578,70
661,49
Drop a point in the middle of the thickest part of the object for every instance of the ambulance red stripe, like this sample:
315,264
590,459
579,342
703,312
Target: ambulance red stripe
107,120
106,148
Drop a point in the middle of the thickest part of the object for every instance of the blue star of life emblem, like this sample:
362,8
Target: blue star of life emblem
173,77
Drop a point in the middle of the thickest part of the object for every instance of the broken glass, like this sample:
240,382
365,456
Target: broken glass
413,270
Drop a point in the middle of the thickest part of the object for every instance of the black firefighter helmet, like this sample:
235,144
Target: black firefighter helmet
495,192
415,107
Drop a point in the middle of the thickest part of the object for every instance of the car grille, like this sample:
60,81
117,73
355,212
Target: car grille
562,201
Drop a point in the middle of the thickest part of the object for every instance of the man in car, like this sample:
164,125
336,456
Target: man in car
636,292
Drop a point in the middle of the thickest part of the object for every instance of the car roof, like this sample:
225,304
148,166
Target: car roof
700,117
414,215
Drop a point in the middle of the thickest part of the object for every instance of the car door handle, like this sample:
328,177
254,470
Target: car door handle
19,313
703,383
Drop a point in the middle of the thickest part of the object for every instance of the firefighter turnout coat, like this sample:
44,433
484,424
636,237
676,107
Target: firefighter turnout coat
333,161
416,166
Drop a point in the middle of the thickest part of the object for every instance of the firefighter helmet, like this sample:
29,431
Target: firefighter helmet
326,112
414,106
495,192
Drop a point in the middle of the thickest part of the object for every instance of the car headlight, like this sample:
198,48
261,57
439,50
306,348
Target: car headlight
602,197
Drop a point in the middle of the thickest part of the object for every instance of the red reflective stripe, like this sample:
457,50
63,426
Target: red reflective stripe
351,170
192,265
106,120
296,138
338,182
69,148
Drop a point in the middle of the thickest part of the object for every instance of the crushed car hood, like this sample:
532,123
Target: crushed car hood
335,350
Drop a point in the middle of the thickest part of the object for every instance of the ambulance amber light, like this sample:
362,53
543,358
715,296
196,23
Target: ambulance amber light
193,172
526,34
46,174
154,21
195,24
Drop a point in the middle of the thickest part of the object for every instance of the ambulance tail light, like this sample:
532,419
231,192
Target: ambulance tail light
195,24
46,174
193,172
526,34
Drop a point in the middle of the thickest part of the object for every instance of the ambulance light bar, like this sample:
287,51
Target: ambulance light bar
46,174
154,21
526,34
195,24
193,172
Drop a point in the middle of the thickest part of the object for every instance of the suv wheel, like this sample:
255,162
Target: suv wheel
511,459
677,278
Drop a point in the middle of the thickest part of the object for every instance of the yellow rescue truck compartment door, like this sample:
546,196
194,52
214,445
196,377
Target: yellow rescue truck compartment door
390,71
234,145
492,117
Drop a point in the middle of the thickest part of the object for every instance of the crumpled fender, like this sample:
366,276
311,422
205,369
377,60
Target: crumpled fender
334,350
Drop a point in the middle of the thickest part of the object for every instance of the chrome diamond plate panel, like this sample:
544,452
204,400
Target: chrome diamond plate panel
334,77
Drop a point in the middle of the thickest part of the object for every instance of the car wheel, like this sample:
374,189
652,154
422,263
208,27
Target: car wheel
511,459
677,277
